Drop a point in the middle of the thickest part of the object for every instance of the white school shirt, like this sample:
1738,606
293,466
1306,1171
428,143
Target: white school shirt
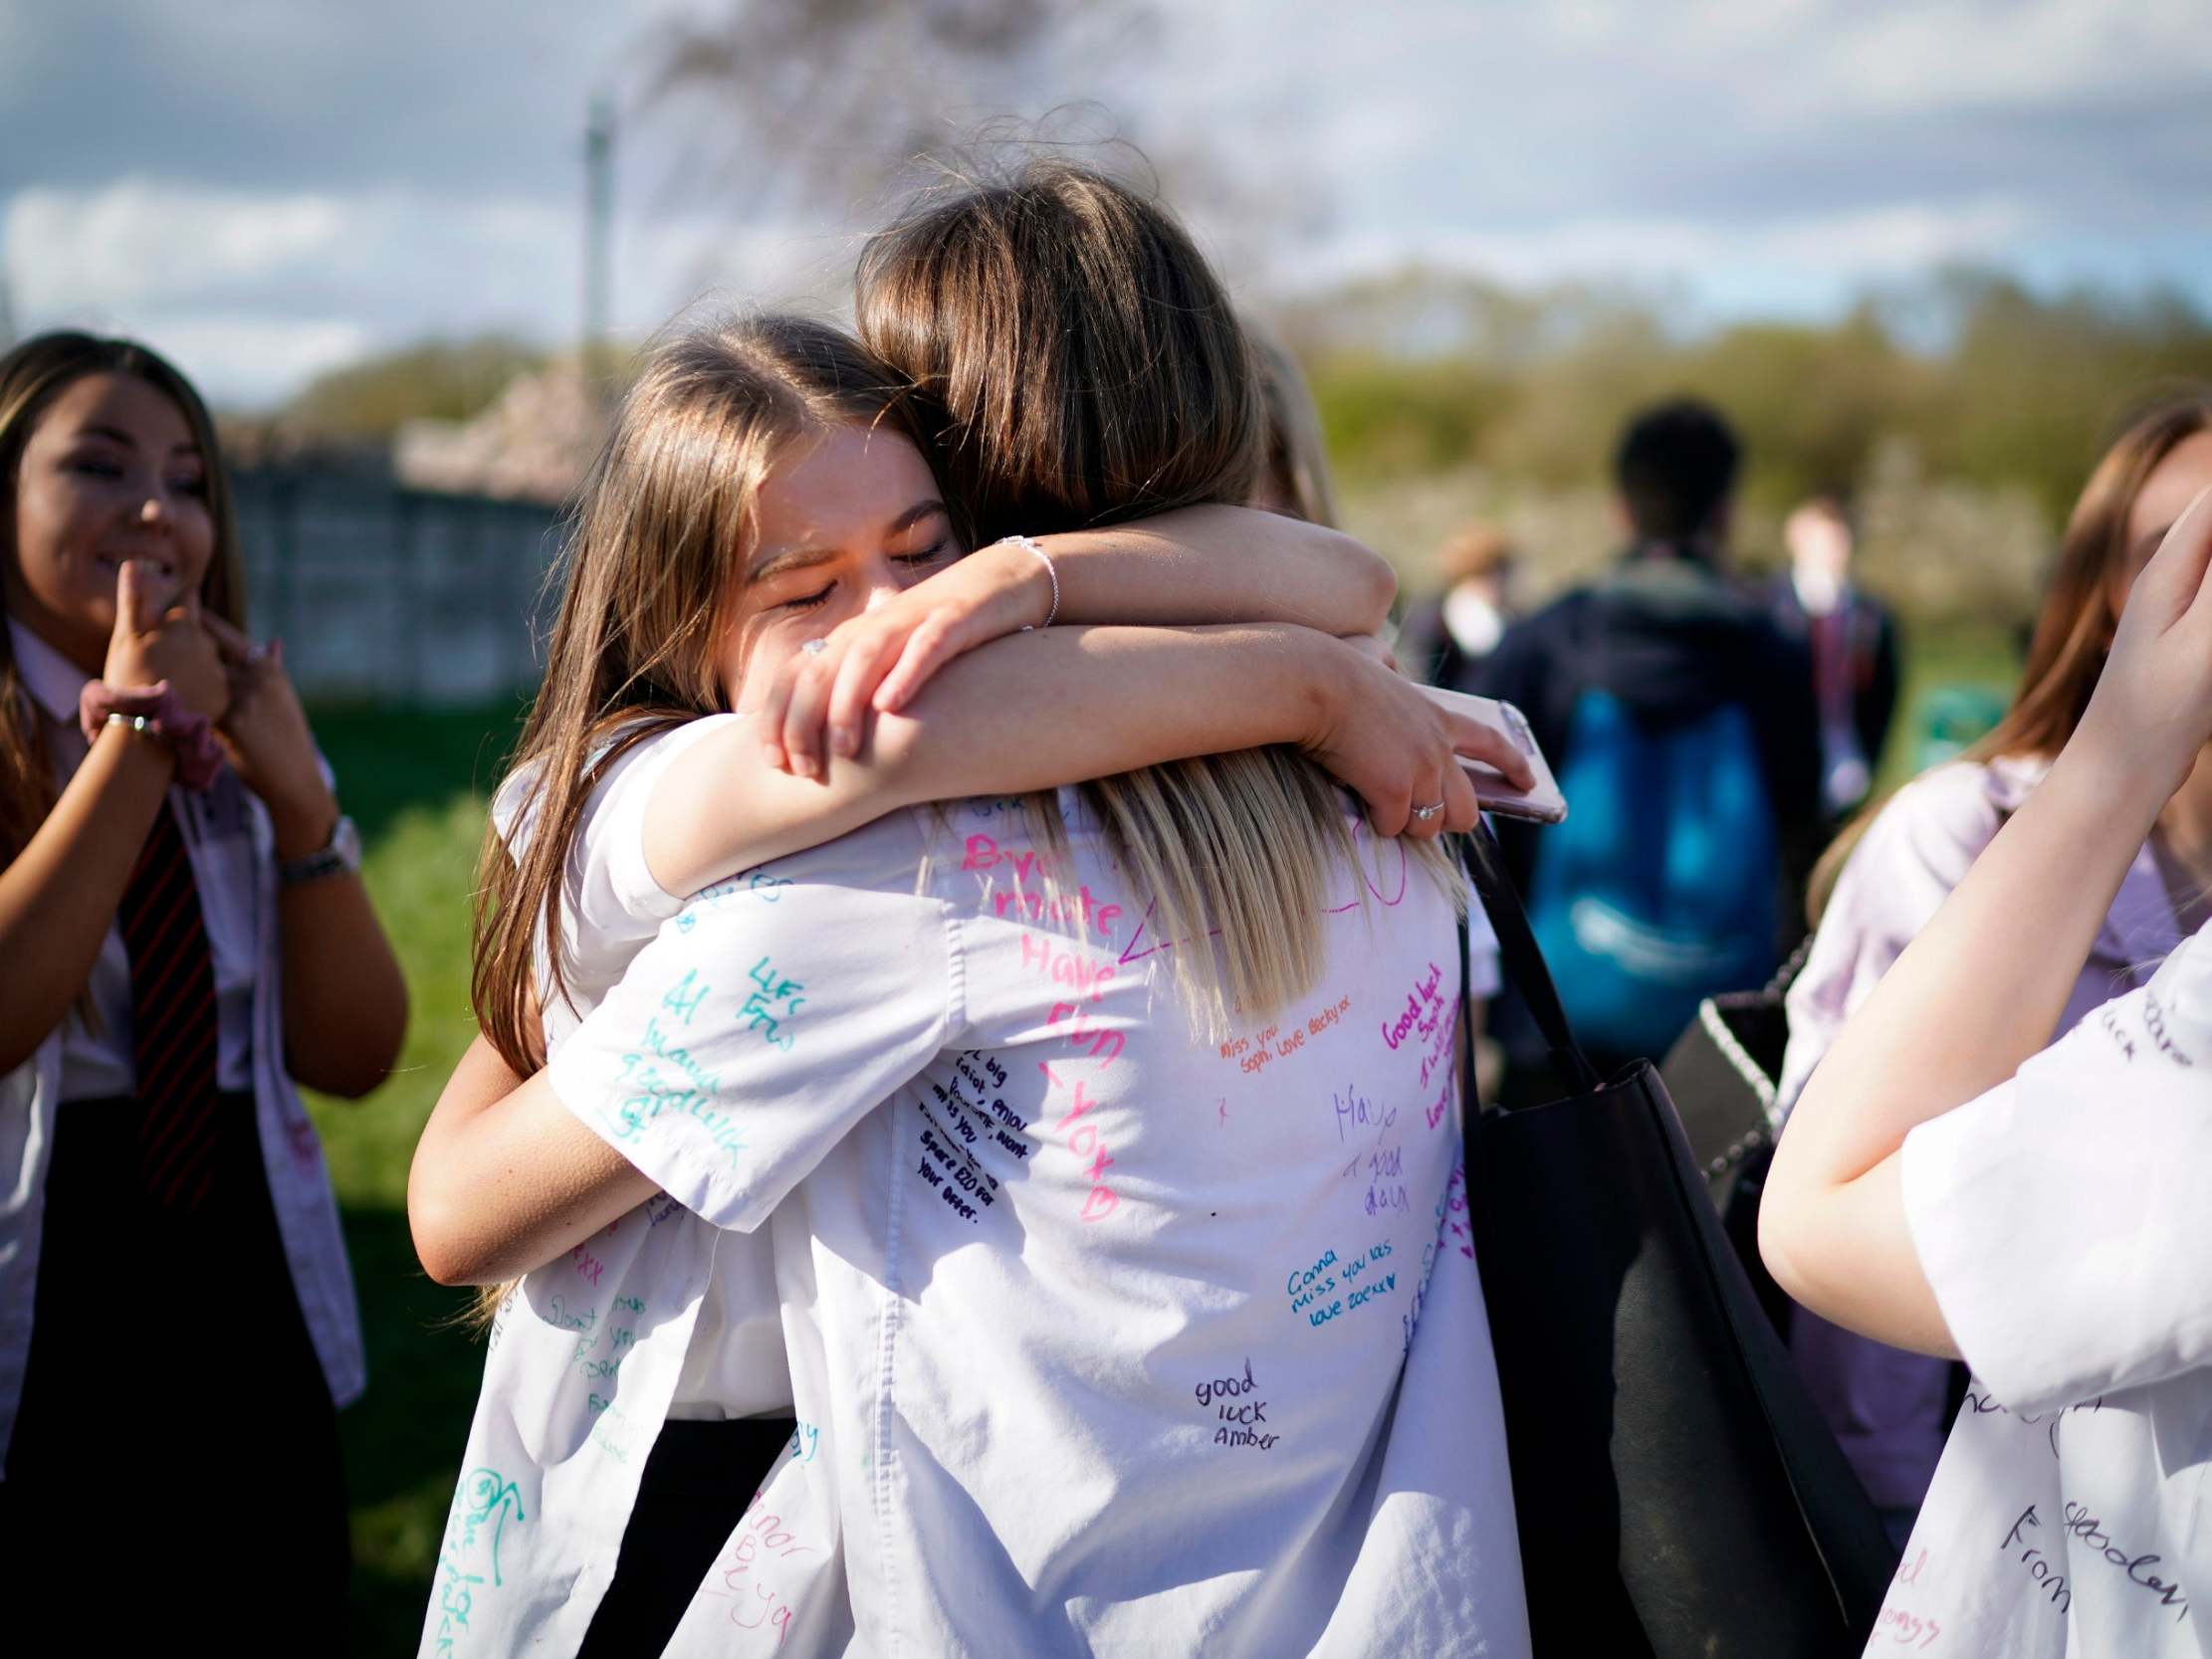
657,1316
1106,1336
1888,1406
232,848
2062,1220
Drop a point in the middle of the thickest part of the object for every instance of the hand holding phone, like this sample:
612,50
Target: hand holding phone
1541,802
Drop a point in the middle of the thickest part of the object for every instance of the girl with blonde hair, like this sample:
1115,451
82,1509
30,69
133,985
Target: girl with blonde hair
764,533
1105,1142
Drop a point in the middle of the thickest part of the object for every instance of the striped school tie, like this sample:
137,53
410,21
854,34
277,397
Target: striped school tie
173,1020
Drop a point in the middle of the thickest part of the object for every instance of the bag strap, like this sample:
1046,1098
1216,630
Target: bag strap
1785,976
1523,961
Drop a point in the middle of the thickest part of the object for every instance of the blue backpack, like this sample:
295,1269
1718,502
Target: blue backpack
1660,888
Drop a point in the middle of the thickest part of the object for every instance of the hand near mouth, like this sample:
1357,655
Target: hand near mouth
159,635
269,743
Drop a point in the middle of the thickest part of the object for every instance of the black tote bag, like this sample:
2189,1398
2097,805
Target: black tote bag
1724,1073
1677,1492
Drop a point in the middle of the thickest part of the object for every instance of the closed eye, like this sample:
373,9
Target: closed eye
929,556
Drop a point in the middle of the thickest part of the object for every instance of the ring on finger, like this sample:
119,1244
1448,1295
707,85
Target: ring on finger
814,647
1424,813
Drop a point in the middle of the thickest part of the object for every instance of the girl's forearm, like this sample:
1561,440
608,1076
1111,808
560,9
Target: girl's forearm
59,893
1026,711
1972,997
1981,988
505,1179
1222,564
344,998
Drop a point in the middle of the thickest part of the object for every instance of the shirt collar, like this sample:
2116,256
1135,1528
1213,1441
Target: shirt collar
53,681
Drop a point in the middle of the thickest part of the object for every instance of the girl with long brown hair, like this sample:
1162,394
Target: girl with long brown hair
762,494
1957,1183
186,939
1890,870
1098,1341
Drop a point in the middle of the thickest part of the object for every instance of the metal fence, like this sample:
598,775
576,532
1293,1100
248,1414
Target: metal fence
389,596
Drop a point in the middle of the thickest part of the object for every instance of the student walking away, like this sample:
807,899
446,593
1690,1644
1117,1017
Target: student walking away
1851,639
1889,872
1947,1189
1680,726
184,937
1448,638
1084,1317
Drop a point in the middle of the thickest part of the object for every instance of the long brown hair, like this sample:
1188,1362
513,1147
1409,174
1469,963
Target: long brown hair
32,376
1078,363
2074,628
1295,458
655,553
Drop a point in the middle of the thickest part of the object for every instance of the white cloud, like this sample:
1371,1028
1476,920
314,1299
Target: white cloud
245,361
312,180
1970,54
135,240
260,292
1833,252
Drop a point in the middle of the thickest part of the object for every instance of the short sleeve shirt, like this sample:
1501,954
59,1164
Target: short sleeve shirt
1127,1337
2062,1223
658,1315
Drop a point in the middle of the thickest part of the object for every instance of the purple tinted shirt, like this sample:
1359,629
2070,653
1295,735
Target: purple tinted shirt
1886,1405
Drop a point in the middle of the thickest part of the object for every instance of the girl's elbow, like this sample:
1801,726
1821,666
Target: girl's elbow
437,1219
17,1050
1377,584
1781,1241
447,1253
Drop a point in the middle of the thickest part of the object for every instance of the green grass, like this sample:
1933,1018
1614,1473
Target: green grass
1986,660
416,785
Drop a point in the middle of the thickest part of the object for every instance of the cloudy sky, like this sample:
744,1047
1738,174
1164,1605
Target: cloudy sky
267,188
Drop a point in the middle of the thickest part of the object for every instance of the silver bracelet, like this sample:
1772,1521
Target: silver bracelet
143,725
1049,569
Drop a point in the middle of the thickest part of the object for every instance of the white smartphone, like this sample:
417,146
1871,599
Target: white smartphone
1542,803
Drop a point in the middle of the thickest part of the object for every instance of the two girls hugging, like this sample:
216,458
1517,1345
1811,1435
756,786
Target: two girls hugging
809,1318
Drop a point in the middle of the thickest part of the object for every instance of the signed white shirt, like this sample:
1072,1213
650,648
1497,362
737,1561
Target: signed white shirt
658,1315
1120,1340
2064,1222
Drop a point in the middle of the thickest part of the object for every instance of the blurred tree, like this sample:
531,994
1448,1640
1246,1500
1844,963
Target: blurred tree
805,101
368,401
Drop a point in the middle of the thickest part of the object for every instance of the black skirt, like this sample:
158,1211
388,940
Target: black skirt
694,1488
174,1467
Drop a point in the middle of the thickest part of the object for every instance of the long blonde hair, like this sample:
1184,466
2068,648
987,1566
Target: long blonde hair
1077,363
2074,629
654,557
32,376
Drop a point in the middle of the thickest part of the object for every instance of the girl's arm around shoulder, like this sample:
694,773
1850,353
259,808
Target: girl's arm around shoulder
1197,565
1222,563
1040,710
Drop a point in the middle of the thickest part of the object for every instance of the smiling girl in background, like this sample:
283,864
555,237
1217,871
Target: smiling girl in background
184,937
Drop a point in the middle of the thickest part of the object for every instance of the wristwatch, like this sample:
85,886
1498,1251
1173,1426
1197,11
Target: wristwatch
340,855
